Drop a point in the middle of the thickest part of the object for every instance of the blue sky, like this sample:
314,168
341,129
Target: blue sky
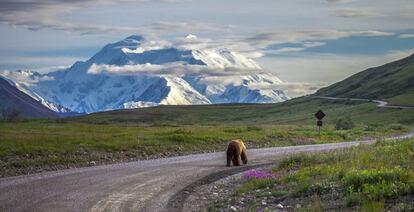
308,43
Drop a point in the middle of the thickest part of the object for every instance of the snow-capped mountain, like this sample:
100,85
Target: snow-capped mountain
135,73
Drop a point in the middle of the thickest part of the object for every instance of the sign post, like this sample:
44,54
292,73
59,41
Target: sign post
319,115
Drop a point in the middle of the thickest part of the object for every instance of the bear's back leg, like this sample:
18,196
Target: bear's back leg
230,158
237,158
244,156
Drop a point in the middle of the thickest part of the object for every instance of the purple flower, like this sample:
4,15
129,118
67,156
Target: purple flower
257,174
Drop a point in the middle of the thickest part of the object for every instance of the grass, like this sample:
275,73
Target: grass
405,99
367,178
116,136
37,145
298,111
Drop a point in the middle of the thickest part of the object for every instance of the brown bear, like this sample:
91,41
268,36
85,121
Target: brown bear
236,150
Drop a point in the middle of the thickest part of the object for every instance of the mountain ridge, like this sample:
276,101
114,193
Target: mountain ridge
382,82
14,100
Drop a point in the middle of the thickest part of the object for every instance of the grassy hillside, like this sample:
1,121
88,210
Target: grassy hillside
383,82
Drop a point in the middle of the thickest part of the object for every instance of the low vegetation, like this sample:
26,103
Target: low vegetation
298,111
367,178
344,123
32,146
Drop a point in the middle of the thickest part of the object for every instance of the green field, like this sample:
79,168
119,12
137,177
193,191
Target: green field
405,99
297,111
31,146
377,177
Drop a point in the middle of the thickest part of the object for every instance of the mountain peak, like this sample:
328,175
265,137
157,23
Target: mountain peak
191,36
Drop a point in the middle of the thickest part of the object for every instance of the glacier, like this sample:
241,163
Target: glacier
156,76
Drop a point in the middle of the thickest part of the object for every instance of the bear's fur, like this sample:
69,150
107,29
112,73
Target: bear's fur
236,151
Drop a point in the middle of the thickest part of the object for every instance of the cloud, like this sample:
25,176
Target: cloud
327,68
353,13
288,50
313,44
41,64
170,69
25,79
339,1
44,14
295,89
406,36
263,40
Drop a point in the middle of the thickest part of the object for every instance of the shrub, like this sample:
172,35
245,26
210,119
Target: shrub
253,128
373,206
254,184
376,185
344,124
396,127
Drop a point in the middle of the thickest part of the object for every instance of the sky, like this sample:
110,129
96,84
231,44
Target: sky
307,43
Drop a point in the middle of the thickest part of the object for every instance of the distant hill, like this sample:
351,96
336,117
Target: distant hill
14,100
384,82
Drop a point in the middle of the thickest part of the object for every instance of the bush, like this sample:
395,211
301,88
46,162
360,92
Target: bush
254,184
376,184
396,127
344,124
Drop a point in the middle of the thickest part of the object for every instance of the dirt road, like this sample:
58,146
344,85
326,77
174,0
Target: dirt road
380,103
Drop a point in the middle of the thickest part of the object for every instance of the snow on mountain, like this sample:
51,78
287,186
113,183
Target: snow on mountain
158,73
223,58
24,79
139,104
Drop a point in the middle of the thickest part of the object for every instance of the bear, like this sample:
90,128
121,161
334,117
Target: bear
236,150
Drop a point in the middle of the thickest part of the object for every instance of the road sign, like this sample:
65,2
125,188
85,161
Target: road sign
319,123
320,114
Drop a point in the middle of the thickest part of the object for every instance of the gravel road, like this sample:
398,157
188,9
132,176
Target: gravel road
380,103
152,185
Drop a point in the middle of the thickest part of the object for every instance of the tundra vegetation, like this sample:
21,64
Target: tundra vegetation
28,146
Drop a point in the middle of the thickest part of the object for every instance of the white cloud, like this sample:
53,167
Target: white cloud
295,89
313,44
174,69
353,13
286,50
24,79
339,1
45,14
263,40
40,64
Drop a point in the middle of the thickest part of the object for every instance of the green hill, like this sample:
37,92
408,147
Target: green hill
298,111
393,81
